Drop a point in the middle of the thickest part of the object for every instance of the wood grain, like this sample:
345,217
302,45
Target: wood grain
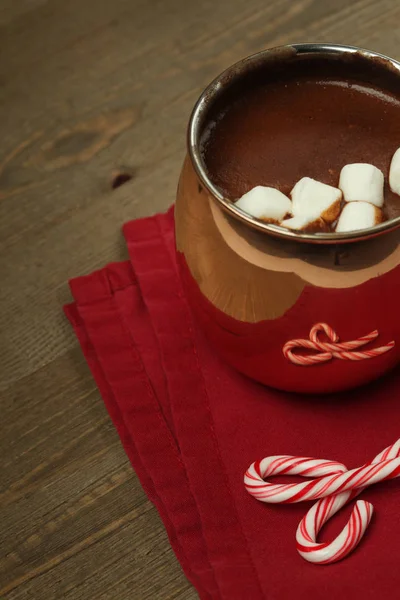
88,90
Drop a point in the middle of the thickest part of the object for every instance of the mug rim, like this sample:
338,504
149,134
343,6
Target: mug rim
213,90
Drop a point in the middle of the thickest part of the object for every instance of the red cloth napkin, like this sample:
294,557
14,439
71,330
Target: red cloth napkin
191,426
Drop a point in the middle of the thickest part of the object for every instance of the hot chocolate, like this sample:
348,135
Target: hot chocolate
307,121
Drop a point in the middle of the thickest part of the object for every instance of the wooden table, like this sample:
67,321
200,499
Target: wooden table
92,90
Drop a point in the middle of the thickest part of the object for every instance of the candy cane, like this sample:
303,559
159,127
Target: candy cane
334,485
332,349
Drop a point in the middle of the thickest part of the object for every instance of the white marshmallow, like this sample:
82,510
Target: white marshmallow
394,173
359,215
265,203
361,182
304,223
314,199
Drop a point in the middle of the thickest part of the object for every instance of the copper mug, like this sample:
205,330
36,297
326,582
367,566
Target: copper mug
257,289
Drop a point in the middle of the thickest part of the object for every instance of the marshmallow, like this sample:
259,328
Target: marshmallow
361,182
265,203
311,198
394,173
305,223
359,215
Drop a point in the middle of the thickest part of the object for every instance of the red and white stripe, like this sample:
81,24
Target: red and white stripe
325,508
332,349
334,485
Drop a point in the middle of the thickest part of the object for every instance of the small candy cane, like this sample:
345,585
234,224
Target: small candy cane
334,485
332,349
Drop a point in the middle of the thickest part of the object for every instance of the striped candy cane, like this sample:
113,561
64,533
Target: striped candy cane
334,485
332,349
